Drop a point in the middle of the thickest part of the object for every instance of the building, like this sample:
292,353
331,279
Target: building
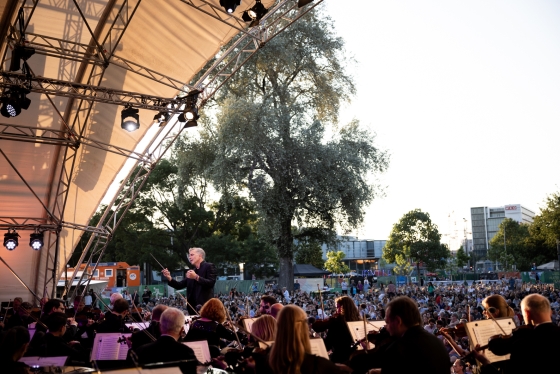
360,255
485,222
117,274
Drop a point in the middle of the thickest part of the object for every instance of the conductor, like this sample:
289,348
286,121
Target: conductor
199,282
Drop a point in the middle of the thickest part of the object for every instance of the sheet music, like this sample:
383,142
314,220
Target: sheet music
173,370
44,361
138,325
107,347
201,350
248,322
480,331
357,330
318,348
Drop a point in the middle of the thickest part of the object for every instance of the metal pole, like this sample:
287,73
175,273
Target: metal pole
505,248
558,251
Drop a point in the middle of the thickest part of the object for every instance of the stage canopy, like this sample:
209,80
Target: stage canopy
93,58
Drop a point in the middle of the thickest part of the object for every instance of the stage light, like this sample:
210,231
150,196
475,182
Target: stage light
36,241
190,124
130,119
14,100
20,52
190,114
161,117
230,5
254,14
11,240
303,3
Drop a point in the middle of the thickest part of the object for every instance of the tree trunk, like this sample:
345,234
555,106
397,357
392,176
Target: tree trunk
286,254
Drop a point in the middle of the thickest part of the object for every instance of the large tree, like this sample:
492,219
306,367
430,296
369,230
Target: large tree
512,249
545,231
277,135
415,239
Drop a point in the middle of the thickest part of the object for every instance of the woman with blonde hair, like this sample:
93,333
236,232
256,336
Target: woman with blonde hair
291,352
496,306
264,328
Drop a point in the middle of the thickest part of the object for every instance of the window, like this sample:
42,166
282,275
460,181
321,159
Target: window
96,273
109,272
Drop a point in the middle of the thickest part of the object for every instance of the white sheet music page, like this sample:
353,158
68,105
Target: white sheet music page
248,322
201,350
107,347
318,348
44,361
357,330
480,332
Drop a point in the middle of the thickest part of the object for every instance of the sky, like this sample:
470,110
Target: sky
464,95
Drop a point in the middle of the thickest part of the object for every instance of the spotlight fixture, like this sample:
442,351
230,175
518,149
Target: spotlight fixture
14,100
230,5
161,117
302,3
11,239
20,52
254,14
36,240
190,114
130,119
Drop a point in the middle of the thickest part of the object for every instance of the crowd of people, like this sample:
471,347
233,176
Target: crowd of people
420,333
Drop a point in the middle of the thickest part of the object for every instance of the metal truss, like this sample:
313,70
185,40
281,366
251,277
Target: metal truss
89,92
95,58
272,24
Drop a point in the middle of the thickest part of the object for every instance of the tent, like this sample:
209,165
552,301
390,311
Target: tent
307,270
548,266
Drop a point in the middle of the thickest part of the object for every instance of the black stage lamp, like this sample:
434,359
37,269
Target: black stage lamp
161,117
11,240
254,14
230,5
20,52
14,100
36,241
130,119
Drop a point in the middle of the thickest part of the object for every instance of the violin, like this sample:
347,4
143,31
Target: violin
500,344
459,331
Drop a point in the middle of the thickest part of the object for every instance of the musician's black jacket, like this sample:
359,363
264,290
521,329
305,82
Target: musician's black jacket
201,290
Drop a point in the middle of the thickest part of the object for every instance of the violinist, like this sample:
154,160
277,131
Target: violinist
291,353
55,346
209,326
415,350
266,302
114,319
339,340
139,338
167,347
530,348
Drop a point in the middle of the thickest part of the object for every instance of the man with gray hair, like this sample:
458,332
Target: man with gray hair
199,282
531,348
167,347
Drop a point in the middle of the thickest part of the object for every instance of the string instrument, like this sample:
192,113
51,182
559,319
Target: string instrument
458,331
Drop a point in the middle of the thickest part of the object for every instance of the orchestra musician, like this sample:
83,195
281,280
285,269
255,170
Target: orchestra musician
210,327
266,302
54,344
531,347
199,282
139,338
115,319
414,350
167,347
291,352
338,339
13,346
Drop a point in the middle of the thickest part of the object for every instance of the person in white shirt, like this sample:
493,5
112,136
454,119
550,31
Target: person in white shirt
286,295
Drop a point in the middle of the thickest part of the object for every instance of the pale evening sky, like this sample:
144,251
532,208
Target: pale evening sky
466,98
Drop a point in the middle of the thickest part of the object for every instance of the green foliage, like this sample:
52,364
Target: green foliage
309,252
461,258
334,262
513,249
415,239
276,134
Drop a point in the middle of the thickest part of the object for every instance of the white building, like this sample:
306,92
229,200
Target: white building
360,255
486,220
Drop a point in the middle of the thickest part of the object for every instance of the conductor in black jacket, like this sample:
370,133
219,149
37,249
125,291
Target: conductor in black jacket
199,282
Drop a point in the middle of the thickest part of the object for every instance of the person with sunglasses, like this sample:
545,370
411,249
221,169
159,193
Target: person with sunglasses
266,302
